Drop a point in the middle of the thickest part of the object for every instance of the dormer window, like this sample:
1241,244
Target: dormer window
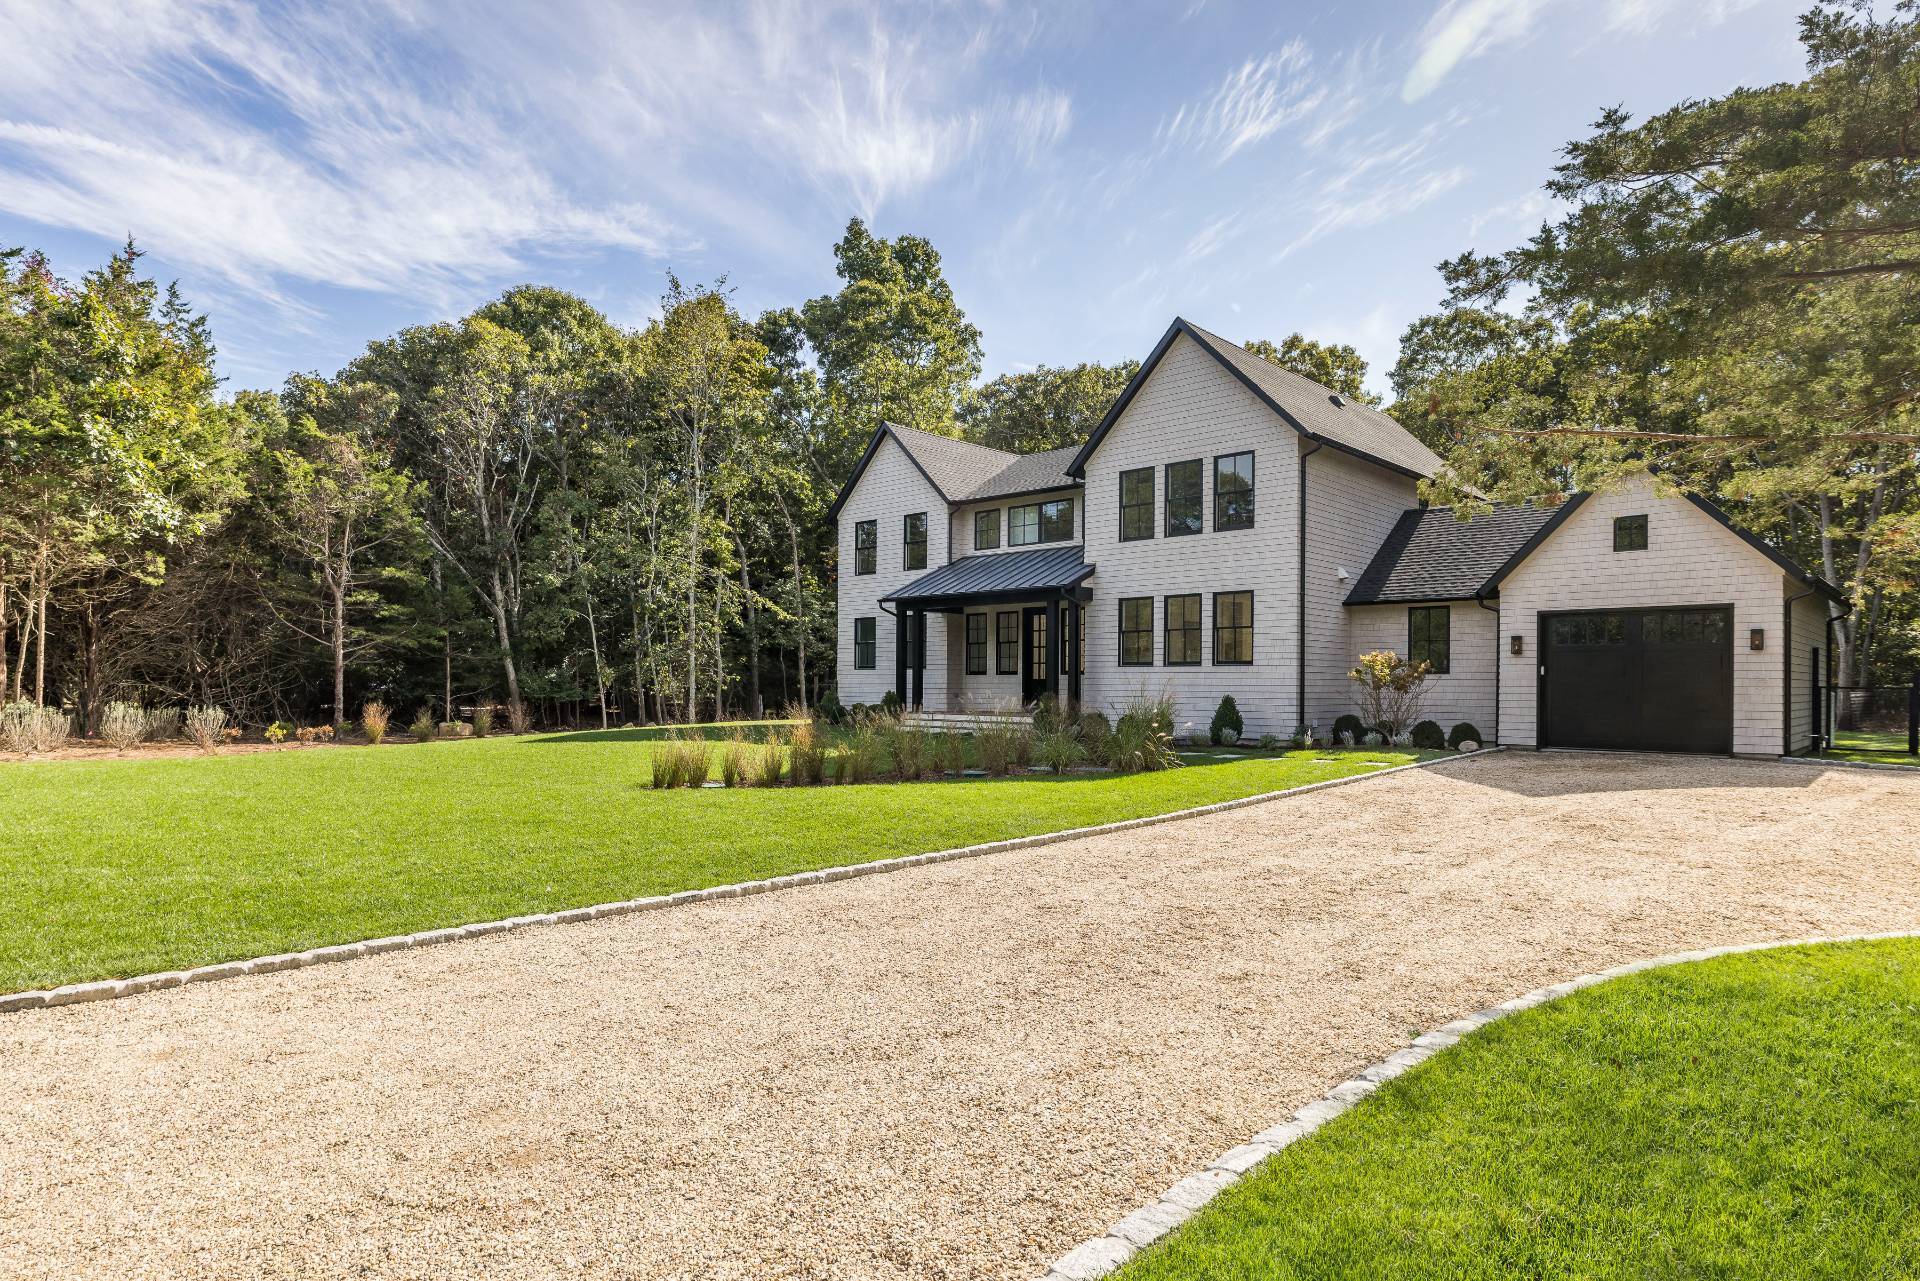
914,555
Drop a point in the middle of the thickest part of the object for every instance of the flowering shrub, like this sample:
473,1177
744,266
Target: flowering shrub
1391,690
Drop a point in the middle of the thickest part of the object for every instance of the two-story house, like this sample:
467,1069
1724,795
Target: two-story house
1234,528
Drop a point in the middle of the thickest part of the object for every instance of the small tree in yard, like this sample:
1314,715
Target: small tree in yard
1227,726
1391,690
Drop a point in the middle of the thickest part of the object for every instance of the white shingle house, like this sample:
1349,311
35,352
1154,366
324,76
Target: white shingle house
1233,528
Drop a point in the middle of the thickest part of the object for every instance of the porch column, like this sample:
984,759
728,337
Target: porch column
1074,642
919,657
900,641
1055,630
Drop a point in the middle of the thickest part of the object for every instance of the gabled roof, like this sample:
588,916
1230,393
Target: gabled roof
1303,404
1432,555
962,471
1001,574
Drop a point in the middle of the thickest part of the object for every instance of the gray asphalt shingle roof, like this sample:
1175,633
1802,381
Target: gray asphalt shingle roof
1431,555
1047,569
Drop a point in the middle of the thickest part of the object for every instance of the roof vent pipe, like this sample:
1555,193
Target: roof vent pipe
1339,401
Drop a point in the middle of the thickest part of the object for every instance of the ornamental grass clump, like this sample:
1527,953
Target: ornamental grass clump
519,717
482,721
733,760
163,724
908,749
1143,736
1095,732
424,728
994,739
29,729
374,718
950,750
207,727
770,762
123,725
859,760
1059,751
807,754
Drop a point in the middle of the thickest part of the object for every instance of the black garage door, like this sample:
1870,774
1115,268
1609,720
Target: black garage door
1652,679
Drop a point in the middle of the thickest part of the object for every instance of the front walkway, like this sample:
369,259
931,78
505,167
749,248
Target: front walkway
955,1071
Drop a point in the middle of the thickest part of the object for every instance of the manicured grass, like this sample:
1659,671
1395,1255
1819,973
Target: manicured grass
1879,746
1751,1116
114,868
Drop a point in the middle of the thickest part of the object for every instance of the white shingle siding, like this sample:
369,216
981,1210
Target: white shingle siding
1465,692
1192,408
1691,559
1351,507
890,488
1809,634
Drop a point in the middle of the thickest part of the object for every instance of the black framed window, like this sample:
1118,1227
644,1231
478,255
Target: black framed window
1183,631
866,545
1430,636
1232,627
1136,632
1629,533
1049,522
864,631
914,541
1136,504
1233,491
1184,493
986,530
1006,659
1080,642
976,644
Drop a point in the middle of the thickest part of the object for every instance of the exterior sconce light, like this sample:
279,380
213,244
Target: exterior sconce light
1757,638
1516,646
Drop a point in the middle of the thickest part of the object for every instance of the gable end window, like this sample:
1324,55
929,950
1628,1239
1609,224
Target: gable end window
986,530
1183,631
1136,504
1232,628
914,553
1136,632
1430,637
866,544
1031,523
1629,533
863,643
1006,658
976,644
1184,481
1233,491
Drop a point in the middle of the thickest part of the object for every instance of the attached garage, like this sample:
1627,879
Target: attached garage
1647,679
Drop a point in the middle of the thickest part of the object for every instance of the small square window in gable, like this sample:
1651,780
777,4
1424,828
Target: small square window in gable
1630,533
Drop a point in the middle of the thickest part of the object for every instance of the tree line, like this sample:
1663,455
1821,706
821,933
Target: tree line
533,507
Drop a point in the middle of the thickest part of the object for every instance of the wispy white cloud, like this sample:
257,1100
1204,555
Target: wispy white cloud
1255,101
1462,30
1643,17
1391,179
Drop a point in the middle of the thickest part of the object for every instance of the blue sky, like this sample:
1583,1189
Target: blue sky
319,175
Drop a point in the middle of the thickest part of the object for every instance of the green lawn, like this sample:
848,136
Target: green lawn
114,868
1879,746
1752,1116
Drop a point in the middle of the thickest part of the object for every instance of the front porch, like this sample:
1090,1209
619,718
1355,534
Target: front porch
1009,620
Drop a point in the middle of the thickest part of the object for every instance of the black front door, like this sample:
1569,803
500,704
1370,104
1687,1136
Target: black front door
1034,655
1650,679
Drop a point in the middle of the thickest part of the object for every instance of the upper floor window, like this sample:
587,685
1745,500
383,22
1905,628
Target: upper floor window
1629,533
1183,631
1050,522
1136,504
1429,636
1233,491
866,544
1184,482
986,530
1232,627
914,556
864,631
1136,632
976,644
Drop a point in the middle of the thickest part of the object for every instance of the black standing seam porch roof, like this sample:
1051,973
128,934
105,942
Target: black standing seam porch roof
999,576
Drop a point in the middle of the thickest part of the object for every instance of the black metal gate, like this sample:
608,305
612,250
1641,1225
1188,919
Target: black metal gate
1871,720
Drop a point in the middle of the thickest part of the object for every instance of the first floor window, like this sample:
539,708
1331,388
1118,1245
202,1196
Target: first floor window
914,556
1233,491
1080,642
986,530
863,643
976,644
1233,627
1183,497
1183,631
1629,533
1429,636
866,544
1136,632
1006,659
1136,504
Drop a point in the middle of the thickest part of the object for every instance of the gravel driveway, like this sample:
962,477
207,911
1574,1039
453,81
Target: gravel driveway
954,1071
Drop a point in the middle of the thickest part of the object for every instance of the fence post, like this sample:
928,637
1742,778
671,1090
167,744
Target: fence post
1913,717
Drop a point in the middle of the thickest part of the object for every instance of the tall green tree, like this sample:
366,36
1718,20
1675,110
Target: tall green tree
1044,408
1334,366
